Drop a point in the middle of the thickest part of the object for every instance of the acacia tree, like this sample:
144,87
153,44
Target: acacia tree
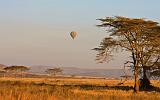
17,69
54,71
138,36
150,59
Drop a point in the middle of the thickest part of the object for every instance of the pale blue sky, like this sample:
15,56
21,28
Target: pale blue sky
36,32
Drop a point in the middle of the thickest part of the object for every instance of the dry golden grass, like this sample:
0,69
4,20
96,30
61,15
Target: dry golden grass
71,89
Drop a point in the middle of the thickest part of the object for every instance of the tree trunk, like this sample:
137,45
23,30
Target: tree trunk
136,80
144,82
136,83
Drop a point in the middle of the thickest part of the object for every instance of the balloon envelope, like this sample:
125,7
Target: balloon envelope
73,34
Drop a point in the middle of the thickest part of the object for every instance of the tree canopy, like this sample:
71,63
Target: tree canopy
54,71
140,37
17,68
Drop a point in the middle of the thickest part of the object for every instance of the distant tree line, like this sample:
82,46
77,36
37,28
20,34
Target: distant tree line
21,71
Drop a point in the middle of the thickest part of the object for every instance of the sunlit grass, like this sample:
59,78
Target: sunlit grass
71,89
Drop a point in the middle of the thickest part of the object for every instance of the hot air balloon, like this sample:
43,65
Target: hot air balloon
73,34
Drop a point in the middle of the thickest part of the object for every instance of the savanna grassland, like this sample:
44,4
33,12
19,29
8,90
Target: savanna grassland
72,89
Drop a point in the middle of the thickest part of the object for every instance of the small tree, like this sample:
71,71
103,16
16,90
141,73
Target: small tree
54,71
17,69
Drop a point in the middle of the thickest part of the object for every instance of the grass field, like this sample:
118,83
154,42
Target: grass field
72,89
